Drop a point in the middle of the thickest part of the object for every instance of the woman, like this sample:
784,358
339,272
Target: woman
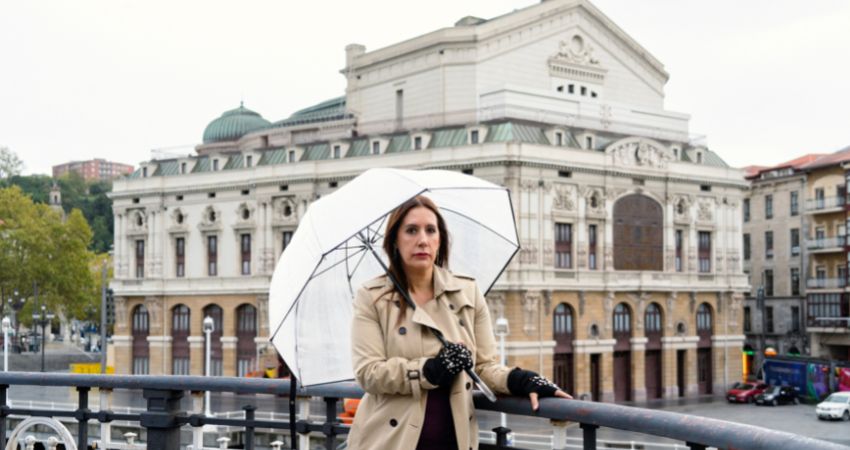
417,393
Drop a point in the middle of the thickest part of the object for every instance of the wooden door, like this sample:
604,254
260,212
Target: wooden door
622,376
638,234
704,378
653,374
563,369
595,378
681,356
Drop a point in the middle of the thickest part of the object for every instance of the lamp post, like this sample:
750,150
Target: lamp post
502,330
209,325
7,326
44,318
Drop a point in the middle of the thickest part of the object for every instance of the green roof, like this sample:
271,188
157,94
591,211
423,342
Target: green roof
234,162
449,137
234,124
514,132
202,165
316,152
333,109
399,143
166,168
136,174
359,147
272,157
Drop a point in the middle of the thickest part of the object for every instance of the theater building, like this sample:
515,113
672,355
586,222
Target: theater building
629,283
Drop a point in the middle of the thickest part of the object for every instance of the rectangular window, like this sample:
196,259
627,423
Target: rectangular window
591,247
140,366
746,210
180,256
417,143
839,195
680,244
768,206
820,198
768,319
559,139
337,151
795,203
376,147
180,366
768,244
795,281
212,255
795,241
747,319
768,283
747,247
795,319
182,168
249,161
399,107
705,251
841,273
292,156
285,239
245,240
140,259
563,245
215,164
588,141
473,137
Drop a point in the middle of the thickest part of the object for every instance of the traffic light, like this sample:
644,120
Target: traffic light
110,307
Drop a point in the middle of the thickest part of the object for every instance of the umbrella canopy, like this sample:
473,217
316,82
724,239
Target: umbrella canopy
313,286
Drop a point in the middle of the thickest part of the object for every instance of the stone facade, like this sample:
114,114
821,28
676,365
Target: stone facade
578,134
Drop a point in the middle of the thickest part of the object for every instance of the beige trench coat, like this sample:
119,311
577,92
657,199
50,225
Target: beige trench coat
388,357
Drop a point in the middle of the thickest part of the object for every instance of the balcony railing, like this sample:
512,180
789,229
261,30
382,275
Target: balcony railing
829,322
826,283
826,243
163,418
818,204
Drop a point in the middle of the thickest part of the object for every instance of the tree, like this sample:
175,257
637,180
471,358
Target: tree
10,164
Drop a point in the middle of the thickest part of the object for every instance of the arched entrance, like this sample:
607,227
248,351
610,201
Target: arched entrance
246,348
622,353
180,315
563,334
638,234
704,364
141,350
652,364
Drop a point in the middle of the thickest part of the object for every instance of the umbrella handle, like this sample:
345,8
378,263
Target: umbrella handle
481,386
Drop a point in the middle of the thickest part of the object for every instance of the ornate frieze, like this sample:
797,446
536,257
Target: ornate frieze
574,60
640,152
496,302
563,197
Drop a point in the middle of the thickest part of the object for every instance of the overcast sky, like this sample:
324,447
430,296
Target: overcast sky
764,80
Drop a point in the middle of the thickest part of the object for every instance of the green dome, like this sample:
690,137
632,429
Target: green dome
234,124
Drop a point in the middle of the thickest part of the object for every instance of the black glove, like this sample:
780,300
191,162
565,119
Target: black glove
524,382
452,359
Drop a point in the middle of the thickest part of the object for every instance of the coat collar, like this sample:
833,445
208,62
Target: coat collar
444,282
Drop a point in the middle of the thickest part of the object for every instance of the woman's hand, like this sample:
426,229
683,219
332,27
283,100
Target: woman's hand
452,359
525,382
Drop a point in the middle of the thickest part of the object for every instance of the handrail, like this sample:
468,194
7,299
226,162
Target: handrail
697,432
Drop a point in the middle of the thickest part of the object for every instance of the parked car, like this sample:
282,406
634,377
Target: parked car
745,392
836,406
777,395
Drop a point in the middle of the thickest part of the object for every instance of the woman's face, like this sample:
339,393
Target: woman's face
418,239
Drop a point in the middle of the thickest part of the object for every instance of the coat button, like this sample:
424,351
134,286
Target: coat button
461,322
393,422
451,306
468,385
402,331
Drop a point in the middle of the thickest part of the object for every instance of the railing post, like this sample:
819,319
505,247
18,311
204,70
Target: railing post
330,422
105,401
82,417
160,419
589,436
501,436
303,411
249,430
198,410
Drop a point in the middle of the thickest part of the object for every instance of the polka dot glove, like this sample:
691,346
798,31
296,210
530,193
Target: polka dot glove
452,359
524,382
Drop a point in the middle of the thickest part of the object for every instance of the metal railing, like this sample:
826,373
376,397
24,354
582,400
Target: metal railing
817,204
826,283
823,243
163,418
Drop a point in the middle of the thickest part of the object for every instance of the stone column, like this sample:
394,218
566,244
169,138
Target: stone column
228,355
160,355
639,368
670,347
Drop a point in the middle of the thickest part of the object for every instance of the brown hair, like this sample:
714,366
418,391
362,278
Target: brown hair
396,267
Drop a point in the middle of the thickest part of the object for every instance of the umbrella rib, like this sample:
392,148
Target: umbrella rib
337,263
479,224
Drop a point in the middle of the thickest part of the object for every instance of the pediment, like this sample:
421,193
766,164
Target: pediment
640,152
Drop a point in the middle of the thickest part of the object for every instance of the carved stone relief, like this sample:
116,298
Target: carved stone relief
576,51
263,314
671,299
285,210
563,197
496,302
609,308
530,308
641,299
640,152
705,209
581,303
594,201
528,253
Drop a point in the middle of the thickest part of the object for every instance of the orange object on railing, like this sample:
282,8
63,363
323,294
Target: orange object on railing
349,407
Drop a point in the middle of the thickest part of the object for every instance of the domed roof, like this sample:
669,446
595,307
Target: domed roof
234,124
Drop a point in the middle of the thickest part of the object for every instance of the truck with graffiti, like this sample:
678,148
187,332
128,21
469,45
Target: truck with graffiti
812,378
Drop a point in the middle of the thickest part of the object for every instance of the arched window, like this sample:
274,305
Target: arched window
246,348
215,312
140,330
622,319
638,234
562,320
704,323
180,353
652,319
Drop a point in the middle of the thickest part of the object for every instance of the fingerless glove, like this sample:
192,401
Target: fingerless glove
452,359
524,382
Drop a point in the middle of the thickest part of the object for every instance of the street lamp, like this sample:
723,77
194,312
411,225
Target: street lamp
7,326
209,325
502,330
43,319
